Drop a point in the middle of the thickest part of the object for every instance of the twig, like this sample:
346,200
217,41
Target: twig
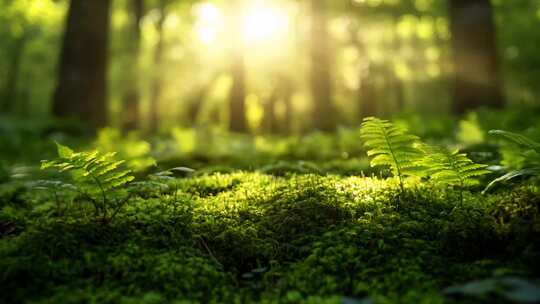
210,252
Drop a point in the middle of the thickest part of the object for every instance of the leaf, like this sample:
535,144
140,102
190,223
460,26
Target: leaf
64,151
511,175
391,146
521,291
452,168
92,171
182,169
518,139
512,288
474,288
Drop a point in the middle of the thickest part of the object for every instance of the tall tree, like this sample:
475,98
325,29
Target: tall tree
477,76
130,119
287,88
157,81
81,90
366,95
13,71
367,92
321,87
270,122
237,94
196,99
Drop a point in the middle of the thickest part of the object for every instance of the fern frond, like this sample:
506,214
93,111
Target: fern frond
518,139
524,162
93,171
453,168
511,175
391,146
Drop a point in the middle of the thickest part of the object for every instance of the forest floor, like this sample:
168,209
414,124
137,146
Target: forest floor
291,232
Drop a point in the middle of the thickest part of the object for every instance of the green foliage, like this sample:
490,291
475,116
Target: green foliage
451,168
524,149
470,131
391,146
132,149
256,238
518,139
97,176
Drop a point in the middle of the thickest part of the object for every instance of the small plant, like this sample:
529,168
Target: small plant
391,146
451,168
529,152
97,177
57,189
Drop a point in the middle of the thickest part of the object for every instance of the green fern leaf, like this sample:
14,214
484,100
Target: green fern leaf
527,154
391,146
518,139
452,168
93,172
511,175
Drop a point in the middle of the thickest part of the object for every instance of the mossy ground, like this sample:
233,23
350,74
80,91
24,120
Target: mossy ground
273,237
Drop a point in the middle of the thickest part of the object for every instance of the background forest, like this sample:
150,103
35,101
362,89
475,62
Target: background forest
272,151
188,63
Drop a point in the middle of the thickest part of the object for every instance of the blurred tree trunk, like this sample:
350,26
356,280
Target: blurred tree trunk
237,102
269,119
157,81
23,100
287,93
81,90
397,83
477,76
367,95
131,99
13,71
196,99
321,81
366,88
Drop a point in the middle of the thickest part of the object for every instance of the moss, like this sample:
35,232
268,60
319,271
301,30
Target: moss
291,238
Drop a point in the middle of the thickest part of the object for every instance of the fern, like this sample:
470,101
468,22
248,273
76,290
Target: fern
527,149
518,139
451,168
391,146
97,176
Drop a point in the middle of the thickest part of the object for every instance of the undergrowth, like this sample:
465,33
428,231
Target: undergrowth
288,232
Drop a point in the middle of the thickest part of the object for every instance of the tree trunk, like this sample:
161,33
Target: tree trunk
367,95
131,111
196,99
321,87
287,93
12,78
237,102
81,90
397,83
477,77
157,82
270,123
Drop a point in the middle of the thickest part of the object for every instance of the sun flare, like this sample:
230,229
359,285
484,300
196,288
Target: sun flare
260,23
263,23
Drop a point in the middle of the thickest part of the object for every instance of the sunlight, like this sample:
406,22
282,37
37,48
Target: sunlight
209,20
260,23
263,23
